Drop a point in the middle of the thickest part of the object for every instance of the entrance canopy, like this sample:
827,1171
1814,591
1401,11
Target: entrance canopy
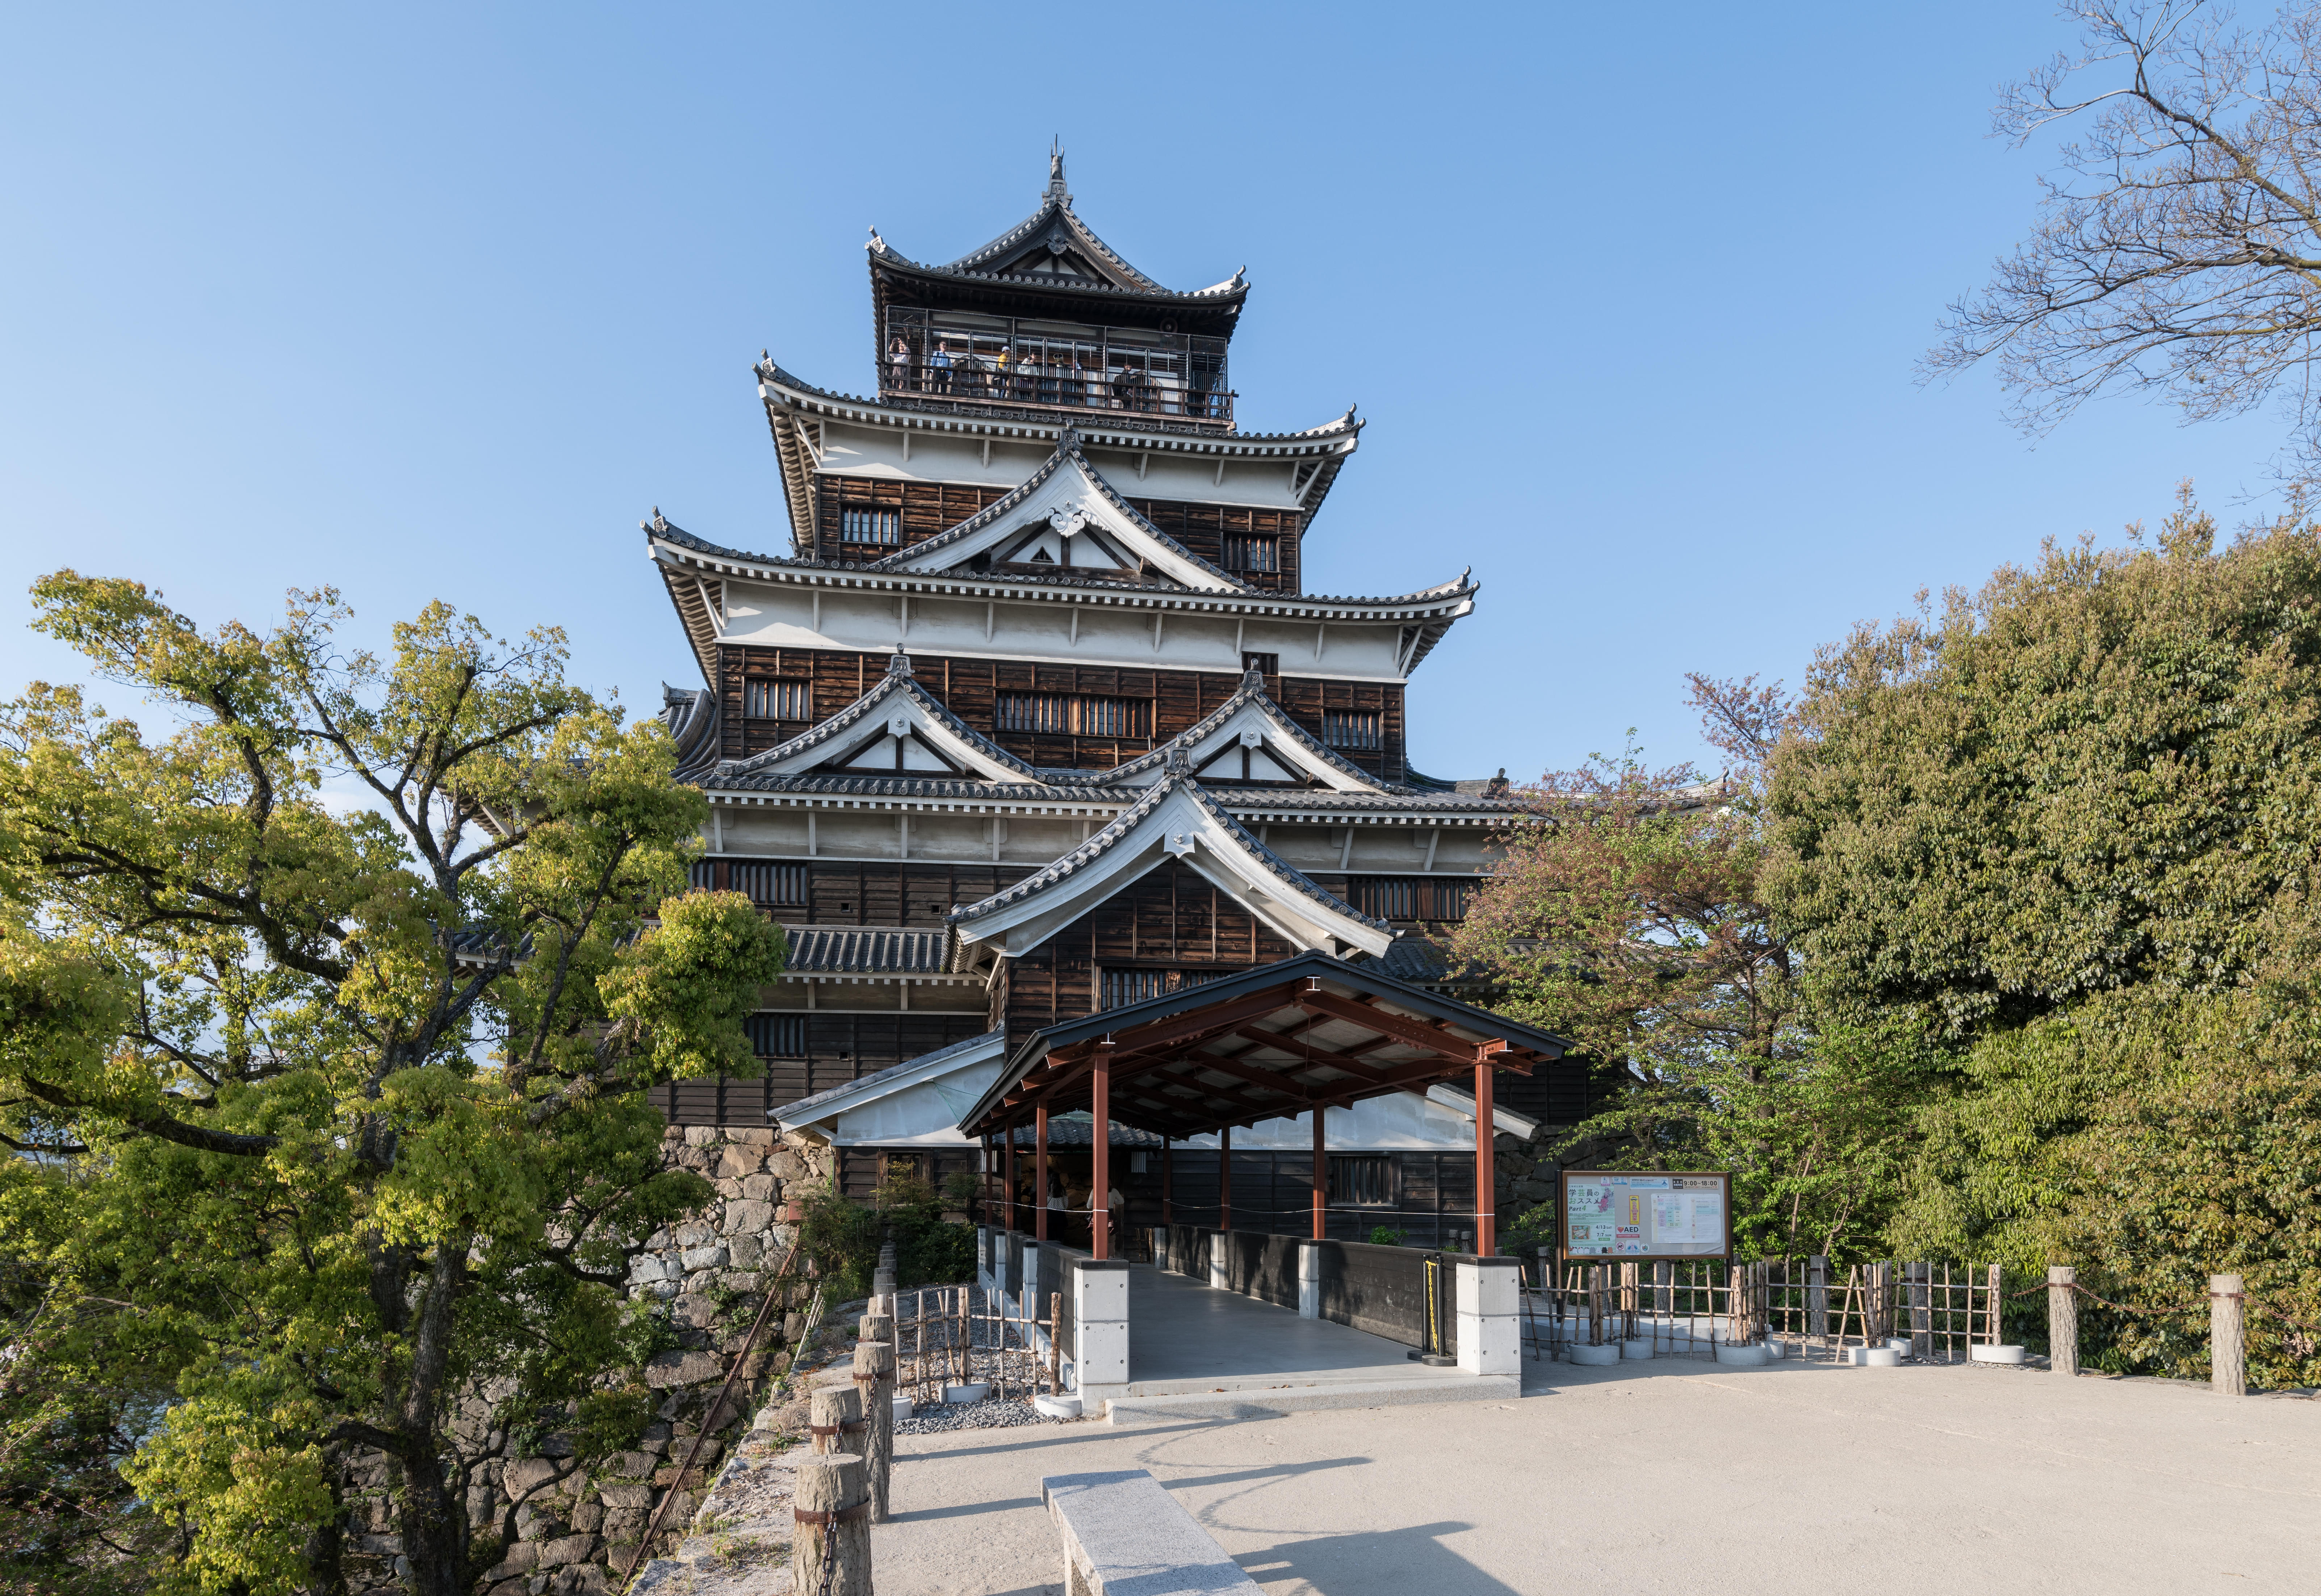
1277,1040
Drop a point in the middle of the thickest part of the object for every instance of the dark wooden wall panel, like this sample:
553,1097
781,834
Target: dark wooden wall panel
839,1048
1170,918
971,688
928,509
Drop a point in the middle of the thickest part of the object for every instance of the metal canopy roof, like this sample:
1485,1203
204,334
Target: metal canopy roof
1263,1044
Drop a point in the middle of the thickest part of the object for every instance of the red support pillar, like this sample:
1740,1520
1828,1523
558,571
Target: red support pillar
1321,1175
1100,1193
1014,1219
1040,1173
1487,1227
1225,1179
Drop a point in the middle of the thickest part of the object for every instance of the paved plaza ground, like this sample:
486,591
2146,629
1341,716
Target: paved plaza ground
1677,1477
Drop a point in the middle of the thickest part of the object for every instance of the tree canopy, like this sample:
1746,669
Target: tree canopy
326,1021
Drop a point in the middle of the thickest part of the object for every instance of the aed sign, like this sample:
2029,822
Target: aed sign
1640,1214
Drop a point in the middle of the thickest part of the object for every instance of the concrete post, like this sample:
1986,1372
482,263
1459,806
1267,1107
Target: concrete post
994,1279
1817,1298
2062,1320
1488,1303
1099,1329
1309,1280
1219,1277
831,1548
987,1244
2227,1336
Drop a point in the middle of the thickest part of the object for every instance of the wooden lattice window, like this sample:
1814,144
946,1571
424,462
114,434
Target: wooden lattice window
1410,897
1072,714
776,698
870,526
1248,552
1358,729
1361,1179
771,886
1124,987
777,1036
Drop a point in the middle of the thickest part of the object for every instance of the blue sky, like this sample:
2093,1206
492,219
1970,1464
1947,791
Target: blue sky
427,301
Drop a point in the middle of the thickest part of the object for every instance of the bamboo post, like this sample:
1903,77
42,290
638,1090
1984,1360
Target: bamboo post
1994,1303
2062,1320
2227,1336
1922,1318
834,1419
831,1547
874,1377
919,1354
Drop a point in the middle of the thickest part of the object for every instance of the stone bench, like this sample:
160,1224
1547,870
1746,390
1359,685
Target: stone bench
1125,1536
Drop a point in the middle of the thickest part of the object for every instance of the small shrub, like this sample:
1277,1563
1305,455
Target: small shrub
1385,1236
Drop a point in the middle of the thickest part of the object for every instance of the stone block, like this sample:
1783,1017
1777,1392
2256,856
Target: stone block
786,1166
587,1517
759,1188
763,1138
525,1475
683,1368
702,1136
734,1163
694,1309
571,1548
695,1233
633,1465
710,1257
748,1218
638,1497
624,1526
519,1558
747,1251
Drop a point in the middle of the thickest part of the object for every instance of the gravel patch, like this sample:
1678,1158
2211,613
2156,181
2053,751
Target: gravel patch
930,1419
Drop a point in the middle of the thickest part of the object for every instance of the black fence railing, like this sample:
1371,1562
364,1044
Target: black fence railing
972,380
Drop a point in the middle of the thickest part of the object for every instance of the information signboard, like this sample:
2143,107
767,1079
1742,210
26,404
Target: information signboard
1646,1214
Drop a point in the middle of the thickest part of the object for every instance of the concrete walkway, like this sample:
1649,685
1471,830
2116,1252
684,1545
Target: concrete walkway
1184,1337
1674,1476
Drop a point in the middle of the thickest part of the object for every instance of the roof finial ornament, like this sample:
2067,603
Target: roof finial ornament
1177,764
899,664
877,244
1056,189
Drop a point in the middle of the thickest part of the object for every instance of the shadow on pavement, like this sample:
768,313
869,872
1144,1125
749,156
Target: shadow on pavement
1411,1559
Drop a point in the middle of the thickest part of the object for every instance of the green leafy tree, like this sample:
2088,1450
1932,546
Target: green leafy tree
332,1119
1626,914
2066,828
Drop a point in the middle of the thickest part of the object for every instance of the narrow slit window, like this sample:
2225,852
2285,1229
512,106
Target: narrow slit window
1357,729
870,526
775,698
771,886
777,1036
1362,1180
1248,552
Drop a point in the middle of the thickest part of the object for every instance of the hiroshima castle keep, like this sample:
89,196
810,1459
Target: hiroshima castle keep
1094,833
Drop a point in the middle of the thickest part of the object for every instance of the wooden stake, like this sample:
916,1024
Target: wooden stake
834,1419
874,1377
2227,1336
831,1548
2062,1320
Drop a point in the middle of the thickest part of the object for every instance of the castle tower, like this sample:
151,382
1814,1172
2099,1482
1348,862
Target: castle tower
1034,718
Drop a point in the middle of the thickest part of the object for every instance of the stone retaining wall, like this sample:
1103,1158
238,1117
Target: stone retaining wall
565,1529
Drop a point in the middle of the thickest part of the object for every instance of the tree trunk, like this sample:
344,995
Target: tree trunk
430,1515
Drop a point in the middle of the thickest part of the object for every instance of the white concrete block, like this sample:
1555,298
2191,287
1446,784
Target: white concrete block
1099,1296
1100,1353
1217,1262
1488,1289
1309,1281
1490,1346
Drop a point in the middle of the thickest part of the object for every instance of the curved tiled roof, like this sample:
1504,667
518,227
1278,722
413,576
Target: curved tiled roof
855,1088
1020,424
897,680
1252,690
1122,824
1056,212
847,949
1460,586
1068,451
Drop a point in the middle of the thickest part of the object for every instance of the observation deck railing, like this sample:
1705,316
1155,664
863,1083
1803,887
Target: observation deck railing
976,381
